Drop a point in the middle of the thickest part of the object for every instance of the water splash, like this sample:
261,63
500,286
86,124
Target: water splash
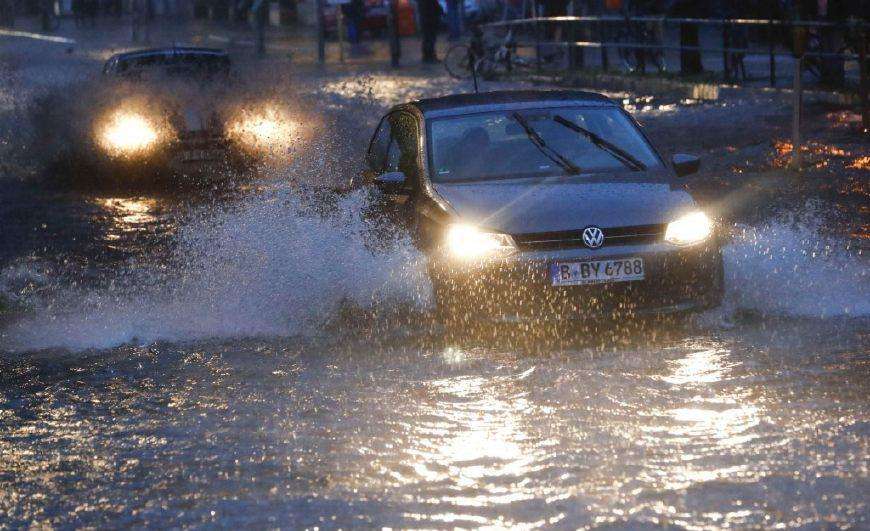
276,265
788,267
268,267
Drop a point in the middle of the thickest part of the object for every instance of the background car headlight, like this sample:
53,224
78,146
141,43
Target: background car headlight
266,130
467,241
690,228
127,133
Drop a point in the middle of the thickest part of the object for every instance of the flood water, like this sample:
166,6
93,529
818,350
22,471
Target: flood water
754,426
241,355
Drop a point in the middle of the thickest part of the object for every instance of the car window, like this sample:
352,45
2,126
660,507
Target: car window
406,131
394,145
377,154
393,156
402,153
495,145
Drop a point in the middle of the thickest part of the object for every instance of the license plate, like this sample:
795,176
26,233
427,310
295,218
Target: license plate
596,271
195,155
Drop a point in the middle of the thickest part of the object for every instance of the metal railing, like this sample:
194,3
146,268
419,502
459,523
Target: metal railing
773,32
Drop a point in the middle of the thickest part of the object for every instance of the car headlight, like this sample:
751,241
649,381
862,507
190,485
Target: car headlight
468,242
127,133
690,228
267,130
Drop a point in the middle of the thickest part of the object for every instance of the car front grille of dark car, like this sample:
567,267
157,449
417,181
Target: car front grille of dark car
571,239
203,135
201,140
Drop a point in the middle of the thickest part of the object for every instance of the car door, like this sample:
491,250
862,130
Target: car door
395,149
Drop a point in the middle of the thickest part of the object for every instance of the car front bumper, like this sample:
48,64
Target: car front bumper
520,287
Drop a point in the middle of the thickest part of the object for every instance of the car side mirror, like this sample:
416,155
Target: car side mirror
685,164
391,183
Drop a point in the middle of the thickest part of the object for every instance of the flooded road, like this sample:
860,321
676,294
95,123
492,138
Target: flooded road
242,356
759,425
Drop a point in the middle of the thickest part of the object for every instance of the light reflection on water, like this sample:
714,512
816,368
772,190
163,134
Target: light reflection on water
129,218
707,420
129,213
698,434
477,436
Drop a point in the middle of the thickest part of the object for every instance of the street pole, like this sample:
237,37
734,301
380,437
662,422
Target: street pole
340,23
799,34
796,116
393,33
45,17
321,34
261,15
864,82
771,51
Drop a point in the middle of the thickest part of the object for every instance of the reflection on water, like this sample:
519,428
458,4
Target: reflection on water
708,419
129,218
130,212
698,433
701,367
477,436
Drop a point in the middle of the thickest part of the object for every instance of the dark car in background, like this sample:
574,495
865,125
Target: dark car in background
175,60
538,205
184,134
174,109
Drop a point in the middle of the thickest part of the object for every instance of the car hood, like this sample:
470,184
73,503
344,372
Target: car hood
518,207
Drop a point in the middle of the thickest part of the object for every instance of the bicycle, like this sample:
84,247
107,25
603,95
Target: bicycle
462,60
815,64
635,59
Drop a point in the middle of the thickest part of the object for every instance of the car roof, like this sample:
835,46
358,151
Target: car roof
168,50
457,104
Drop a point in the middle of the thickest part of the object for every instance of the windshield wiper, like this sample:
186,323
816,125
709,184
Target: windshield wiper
617,152
542,146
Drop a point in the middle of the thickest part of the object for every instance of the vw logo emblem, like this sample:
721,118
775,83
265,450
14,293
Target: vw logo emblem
593,237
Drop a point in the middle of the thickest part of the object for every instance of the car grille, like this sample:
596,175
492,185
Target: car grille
571,239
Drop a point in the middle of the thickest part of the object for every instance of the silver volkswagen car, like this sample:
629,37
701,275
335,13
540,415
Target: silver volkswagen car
541,205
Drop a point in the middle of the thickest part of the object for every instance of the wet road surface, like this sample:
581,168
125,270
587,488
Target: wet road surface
236,357
759,425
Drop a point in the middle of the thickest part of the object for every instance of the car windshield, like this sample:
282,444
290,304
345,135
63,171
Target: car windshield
176,64
536,143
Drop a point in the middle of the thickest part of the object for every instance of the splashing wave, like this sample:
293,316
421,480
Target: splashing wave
272,266
269,267
787,266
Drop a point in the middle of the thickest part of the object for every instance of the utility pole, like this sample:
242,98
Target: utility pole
321,33
393,32
45,9
339,21
260,9
800,46
796,116
865,82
